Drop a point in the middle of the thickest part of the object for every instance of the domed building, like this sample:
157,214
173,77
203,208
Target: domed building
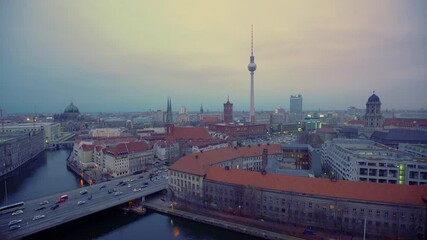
71,113
373,115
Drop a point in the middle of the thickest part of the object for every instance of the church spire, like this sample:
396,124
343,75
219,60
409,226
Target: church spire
169,116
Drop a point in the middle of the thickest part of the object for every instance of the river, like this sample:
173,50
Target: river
48,174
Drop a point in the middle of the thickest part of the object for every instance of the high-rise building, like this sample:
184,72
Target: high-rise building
252,68
296,104
228,112
169,116
373,116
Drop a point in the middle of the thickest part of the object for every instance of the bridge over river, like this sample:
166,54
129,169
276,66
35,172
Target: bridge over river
70,210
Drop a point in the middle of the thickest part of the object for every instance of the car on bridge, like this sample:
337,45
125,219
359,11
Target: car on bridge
38,217
89,198
17,212
13,227
83,192
118,193
81,202
40,208
44,202
13,222
54,206
63,198
103,186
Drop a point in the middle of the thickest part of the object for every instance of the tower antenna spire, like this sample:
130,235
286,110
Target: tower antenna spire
252,40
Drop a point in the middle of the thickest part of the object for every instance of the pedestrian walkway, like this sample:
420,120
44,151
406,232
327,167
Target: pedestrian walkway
255,227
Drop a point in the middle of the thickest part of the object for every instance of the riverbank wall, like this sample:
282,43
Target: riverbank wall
162,206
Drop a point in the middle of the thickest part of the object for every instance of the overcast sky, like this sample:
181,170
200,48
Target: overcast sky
131,55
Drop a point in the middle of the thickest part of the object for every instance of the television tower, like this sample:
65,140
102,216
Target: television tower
252,68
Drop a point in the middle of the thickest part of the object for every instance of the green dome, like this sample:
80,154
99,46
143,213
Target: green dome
71,109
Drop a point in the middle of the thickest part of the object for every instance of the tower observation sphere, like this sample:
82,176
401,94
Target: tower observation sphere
252,66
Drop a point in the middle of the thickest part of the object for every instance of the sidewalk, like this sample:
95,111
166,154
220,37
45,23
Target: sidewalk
284,231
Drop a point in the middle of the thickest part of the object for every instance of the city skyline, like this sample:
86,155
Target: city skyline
132,55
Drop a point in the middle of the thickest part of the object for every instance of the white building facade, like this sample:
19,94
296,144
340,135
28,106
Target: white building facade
367,161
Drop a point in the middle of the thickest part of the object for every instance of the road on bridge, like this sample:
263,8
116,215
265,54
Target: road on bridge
98,197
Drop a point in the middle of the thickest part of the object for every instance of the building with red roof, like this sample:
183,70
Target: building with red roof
127,158
117,156
232,180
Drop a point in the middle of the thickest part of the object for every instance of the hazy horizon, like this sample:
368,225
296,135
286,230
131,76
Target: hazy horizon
129,56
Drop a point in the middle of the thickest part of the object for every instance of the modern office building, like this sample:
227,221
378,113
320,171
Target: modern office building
295,104
368,161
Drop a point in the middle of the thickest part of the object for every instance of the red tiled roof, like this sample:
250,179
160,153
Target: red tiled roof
326,130
190,133
376,192
165,143
405,122
198,163
126,148
87,147
356,122
210,119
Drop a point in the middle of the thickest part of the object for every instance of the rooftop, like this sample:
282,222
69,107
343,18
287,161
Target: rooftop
352,190
198,163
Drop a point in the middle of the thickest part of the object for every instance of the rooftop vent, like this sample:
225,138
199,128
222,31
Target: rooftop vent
263,172
227,168
197,156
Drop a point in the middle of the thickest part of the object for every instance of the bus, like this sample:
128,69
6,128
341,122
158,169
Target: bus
61,199
11,206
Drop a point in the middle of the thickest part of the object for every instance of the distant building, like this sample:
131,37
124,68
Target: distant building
373,115
394,137
51,130
166,150
239,130
367,161
71,113
169,114
296,104
106,132
228,112
327,133
295,108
